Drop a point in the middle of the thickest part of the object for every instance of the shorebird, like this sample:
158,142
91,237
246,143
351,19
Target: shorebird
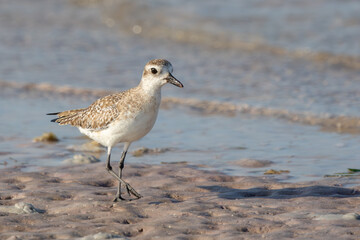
123,117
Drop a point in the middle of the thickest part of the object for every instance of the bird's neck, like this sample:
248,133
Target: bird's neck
149,90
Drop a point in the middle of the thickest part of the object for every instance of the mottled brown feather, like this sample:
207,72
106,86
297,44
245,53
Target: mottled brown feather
160,62
103,111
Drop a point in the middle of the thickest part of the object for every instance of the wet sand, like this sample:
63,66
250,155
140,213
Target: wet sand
180,202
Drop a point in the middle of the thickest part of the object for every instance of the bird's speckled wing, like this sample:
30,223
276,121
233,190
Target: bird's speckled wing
98,115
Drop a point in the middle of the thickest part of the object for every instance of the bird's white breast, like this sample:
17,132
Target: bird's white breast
128,127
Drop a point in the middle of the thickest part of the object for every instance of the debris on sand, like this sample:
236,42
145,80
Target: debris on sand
91,146
81,159
352,172
272,171
101,235
143,150
46,137
253,163
332,217
21,208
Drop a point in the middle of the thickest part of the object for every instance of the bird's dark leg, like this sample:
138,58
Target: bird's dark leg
121,166
112,173
108,166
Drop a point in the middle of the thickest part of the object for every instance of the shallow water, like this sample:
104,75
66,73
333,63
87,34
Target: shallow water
294,59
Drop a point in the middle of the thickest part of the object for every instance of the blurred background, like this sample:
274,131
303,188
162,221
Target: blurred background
268,84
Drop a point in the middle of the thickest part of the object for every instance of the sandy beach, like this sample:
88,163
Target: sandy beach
180,202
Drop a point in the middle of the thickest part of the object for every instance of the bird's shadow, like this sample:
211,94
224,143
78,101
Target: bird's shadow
284,193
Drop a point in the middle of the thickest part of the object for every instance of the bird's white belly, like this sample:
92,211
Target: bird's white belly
124,130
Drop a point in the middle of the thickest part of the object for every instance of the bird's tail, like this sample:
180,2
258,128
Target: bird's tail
53,120
66,117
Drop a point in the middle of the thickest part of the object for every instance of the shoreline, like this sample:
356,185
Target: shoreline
180,201
327,122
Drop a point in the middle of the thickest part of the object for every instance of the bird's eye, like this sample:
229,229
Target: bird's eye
154,71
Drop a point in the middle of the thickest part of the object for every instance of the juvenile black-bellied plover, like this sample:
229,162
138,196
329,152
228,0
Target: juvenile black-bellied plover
123,117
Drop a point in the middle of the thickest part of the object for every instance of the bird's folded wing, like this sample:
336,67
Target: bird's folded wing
96,117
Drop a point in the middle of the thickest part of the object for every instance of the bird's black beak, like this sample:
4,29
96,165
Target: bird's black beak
171,79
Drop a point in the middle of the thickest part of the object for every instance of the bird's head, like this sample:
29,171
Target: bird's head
157,73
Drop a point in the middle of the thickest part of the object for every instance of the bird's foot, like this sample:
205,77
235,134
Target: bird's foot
131,191
119,198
